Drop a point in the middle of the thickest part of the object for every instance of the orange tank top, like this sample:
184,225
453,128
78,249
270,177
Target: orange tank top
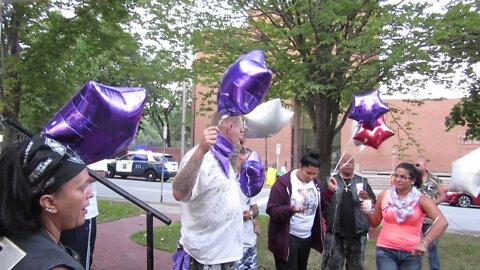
404,236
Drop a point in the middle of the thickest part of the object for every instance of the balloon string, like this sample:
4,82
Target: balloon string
221,119
345,151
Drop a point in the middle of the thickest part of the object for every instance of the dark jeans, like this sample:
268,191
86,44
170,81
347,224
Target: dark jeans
82,240
433,257
339,251
299,250
391,259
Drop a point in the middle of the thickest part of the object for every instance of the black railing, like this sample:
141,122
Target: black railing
151,212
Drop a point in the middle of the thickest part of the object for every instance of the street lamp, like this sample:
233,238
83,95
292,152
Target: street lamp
182,135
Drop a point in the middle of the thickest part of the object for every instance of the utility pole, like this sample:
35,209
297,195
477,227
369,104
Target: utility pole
183,131
164,161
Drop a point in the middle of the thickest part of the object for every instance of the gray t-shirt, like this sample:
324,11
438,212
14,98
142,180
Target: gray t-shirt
44,254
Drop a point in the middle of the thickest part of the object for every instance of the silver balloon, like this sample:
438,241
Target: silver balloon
267,119
466,173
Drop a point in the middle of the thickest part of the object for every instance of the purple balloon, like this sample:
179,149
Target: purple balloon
252,175
244,84
99,120
367,108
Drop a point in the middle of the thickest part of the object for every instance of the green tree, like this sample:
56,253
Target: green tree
166,44
48,56
458,39
165,82
50,53
321,52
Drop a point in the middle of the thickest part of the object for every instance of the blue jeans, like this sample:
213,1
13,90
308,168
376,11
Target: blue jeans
249,260
392,259
433,257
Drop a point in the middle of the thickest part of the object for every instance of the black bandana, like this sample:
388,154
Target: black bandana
48,164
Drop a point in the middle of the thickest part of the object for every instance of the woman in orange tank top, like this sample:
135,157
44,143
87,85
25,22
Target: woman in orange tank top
402,209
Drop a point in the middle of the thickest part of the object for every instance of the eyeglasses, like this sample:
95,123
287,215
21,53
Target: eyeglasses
401,176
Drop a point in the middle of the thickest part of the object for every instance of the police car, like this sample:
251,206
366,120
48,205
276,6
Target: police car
143,163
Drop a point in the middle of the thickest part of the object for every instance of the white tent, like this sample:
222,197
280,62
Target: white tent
466,173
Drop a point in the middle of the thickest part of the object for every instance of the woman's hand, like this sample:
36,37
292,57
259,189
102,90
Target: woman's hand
419,250
366,206
298,208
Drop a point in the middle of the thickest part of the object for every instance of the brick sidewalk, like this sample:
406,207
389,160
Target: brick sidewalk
115,250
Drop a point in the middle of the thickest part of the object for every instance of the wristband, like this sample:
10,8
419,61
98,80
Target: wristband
424,243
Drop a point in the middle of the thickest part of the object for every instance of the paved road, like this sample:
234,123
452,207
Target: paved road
155,192
460,219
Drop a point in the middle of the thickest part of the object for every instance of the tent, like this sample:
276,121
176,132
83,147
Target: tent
466,173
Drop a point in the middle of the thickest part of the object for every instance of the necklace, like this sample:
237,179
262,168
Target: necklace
50,235
347,187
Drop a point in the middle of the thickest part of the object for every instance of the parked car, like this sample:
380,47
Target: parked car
462,199
143,163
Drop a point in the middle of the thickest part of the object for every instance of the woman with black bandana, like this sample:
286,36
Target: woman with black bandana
44,189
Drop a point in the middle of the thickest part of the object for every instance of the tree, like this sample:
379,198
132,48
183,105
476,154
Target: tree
163,79
51,53
458,40
48,56
322,52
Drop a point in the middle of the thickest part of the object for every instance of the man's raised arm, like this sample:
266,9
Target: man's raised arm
187,176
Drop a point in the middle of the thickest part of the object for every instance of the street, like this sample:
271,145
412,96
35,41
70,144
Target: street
154,192
460,219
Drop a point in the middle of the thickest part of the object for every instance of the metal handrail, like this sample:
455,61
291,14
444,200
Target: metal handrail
151,212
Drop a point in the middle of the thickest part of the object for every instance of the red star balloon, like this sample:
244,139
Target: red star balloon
376,136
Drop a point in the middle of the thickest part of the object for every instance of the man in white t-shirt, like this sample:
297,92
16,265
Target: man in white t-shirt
82,239
211,209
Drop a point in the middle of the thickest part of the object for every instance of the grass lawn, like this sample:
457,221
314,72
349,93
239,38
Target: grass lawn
457,251
111,210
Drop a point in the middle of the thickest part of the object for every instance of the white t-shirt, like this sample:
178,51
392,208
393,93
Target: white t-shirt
304,194
92,208
248,235
212,219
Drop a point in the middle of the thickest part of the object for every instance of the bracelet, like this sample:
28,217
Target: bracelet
424,243
427,238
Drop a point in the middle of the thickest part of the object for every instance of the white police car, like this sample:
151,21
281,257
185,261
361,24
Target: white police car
143,163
